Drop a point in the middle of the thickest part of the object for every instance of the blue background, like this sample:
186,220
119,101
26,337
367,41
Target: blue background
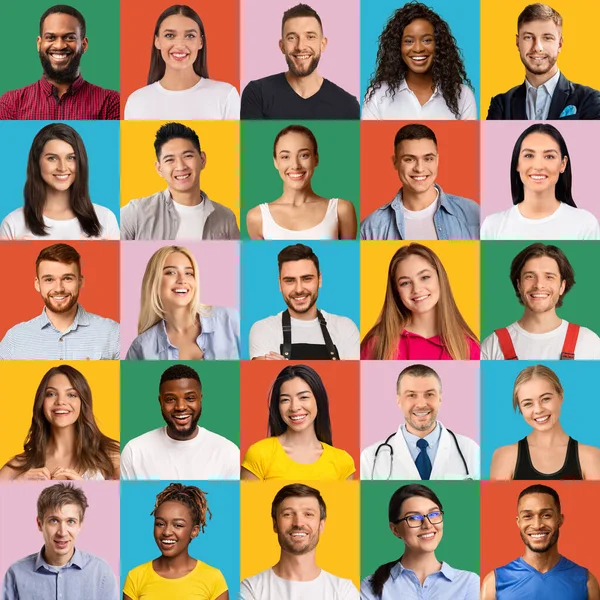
218,546
463,19
261,298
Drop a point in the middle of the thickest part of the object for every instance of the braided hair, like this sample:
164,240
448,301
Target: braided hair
194,498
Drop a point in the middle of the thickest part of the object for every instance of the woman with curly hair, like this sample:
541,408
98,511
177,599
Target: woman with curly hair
420,72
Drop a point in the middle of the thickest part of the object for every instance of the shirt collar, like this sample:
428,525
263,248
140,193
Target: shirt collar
550,85
403,87
81,318
447,571
207,324
442,200
208,205
76,561
48,88
432,439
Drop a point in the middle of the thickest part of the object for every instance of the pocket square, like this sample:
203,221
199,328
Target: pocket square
568,111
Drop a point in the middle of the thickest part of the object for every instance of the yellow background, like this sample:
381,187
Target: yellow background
19,381
220,140
338,551
460,259
501,66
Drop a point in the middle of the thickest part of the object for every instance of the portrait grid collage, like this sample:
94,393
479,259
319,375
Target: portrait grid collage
299,315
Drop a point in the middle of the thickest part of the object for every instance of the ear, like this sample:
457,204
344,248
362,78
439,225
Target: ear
36,284
323,44
156,42
395,530
39,523
517,40
81,281
320,279
39,43
562,287
560,43
564,162
316,160
158,168
195,531
281,47
202,160
561,520
84,45
275,526
398,400
321,526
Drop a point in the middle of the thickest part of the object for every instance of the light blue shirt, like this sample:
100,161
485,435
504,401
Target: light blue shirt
88,337
219,339
433,439
445,584
84,577
539,99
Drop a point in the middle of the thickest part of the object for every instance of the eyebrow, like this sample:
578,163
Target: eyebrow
543,272
419,273
416,156
429,390
51,387
532,150
175,267
175,31
297,394
296,33
416,512
60,35
300,150
529,510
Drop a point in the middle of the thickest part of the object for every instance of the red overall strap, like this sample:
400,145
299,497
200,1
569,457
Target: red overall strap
506,344
568,350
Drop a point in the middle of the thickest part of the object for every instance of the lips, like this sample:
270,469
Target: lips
419,178
542,420
297,419
61,544
427,536
182,177
168,544
297,176
182,419
179,56
422,298
540,535
419,60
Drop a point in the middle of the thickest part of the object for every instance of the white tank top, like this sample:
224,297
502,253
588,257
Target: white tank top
327,229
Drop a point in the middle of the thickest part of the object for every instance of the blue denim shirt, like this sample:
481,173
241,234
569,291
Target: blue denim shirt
456,218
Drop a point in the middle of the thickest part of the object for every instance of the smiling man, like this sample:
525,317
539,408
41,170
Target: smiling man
546,92
60,570
541,276
181,449
300,92
182,211
61,93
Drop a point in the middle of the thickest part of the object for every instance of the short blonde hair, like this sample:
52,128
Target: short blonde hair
540,371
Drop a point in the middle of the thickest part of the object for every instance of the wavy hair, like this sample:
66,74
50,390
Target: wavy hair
189,495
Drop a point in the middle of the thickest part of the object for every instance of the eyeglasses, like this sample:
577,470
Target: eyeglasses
435,518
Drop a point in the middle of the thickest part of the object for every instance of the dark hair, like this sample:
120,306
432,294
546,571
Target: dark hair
539,488
322,422
538,12
62,253
411,490
298,490
297,252
173,131
190,495
180,372
34,192
157,63
300,10
59,495
536,251
414,131
563,185
448,70
64,9
418,371
297,129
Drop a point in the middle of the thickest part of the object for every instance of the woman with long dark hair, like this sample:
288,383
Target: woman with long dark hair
299,445
178,85
56,194
419,73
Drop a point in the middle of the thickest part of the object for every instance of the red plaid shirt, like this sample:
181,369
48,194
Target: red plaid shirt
40,101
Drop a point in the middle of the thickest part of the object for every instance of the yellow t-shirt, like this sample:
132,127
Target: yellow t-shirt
268,460
203,583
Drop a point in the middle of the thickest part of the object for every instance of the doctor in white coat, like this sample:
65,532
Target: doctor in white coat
449,455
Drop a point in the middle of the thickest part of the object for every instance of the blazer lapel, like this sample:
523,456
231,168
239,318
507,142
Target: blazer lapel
560,97
518,111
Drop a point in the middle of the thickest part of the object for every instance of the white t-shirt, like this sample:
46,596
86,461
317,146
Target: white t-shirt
267,335
565,223
542,346
268,586
418,224
191,221
13,227
154,455
207,100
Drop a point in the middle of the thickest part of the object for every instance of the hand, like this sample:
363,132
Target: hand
274,356
62,473
40,474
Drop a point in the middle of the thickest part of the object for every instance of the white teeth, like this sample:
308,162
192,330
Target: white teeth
298,417
419,177
180,291
426,536
181,177
181,417
61,412
418,299
168,542
538,177
62,176
421,414
299,534
538,535
542,419
295,175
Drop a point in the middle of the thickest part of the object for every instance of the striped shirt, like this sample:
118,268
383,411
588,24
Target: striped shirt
40,101
88,337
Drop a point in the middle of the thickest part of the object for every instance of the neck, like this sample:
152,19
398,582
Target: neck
422,563
542,561
62,321
540,322
179,80
180,562
180,320
538,205
57,201
305,438
62,442
549,439
174,435
419,433
191,198
309,315
296,567
62,87
536,80
56,561
419,80
305,86
424,324
418,201
297,197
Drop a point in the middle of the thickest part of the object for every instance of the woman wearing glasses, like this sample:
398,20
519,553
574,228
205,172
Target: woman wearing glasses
416,517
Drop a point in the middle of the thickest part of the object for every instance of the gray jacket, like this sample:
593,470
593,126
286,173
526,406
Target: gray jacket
155,218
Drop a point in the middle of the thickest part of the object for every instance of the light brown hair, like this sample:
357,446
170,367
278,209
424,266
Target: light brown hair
541,372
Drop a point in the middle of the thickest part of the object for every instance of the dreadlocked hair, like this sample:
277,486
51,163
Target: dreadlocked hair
194,498
448,70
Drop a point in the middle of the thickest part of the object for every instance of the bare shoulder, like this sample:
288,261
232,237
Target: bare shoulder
254,223
254,215
7,472
345,207
488,586
592,587
589,458
504,461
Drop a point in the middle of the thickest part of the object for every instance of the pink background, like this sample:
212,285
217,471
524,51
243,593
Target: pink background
261,32
381,416
498,140
218,262
20,534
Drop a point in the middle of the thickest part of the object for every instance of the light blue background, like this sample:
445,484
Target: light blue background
462,18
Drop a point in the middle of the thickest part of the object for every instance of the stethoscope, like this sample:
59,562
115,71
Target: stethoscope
387,443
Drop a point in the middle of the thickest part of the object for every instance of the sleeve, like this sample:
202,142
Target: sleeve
110,588
115,351
362,229
591,108
369,109
468,109
348,591
6,346
130,587
487,231
136,351
487,348
261,340
495,111
254,461
365,589
474,349
472,587
128,112
232,470
128,221
232,105
366,465
219,585
476,451
7,107
346,465
593,229
113,107
246,591
110,227
9,586
127,469
6,231
251,105
233,231
351,344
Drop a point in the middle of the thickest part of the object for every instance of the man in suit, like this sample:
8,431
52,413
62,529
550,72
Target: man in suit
546,92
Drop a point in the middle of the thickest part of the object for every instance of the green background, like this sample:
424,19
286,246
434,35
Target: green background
140,409
99,65
499,304
336,176
460,544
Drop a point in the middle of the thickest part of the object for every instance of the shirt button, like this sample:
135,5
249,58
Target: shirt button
60,340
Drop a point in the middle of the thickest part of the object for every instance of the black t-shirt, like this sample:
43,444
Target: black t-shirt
273,98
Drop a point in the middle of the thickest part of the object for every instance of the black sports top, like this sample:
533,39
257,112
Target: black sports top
571,468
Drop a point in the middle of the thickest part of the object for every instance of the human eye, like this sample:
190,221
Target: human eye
425,277
191,35
305,155
414,519
428,40
169,35
551,156
434,514
408,41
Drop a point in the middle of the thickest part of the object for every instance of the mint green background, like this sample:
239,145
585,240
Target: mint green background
499,304
99,65
140,409
460,544
337,175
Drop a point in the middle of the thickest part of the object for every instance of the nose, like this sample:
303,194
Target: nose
180,404
299,286
426,524
538,45
418,47
418,166
294,404
62,528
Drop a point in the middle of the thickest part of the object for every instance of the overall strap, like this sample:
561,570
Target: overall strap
286,325
331,349
568,349
506,345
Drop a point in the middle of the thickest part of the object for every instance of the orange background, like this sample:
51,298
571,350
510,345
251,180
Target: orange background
341,380
458,171
99,266
221,26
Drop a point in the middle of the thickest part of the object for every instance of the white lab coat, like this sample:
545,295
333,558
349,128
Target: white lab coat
447,463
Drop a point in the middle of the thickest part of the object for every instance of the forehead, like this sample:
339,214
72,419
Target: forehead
301,25
412,265
418,27
60,23
57,146
294,140
545,264
299,503
177,146
540,141
536,386
419,384
179,22
294,386
298,268
55,268
59,380
535,502
418,504
177,259
540,27
180,386
416,147
173,510
66,511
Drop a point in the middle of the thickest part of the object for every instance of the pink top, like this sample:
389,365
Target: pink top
412,346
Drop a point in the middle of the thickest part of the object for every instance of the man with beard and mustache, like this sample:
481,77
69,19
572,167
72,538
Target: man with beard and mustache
541,572
300,92
303,332
181,449
546,92
64,330
298,512
61,93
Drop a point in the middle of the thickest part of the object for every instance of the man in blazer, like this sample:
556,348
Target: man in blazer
546,93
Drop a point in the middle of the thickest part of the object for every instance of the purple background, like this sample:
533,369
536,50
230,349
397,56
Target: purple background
380,415
261,31
497,142
218,262
20,534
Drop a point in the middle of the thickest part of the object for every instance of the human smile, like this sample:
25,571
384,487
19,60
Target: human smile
182,177
538,177
539,536
420,59
419,177
302,57
182,419
542,420
59,57
179,56
297,419
418,299
297,176
168,544
427,536
180,291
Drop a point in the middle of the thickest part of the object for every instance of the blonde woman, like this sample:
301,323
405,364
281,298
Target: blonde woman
419,319
173,324
547,452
